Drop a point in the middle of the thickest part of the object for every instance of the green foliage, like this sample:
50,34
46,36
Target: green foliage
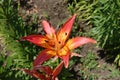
15,54
66,75
106,21
83,9
91,69
114,72
104,16
89,63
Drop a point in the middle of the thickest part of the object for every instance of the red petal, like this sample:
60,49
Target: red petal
57,70
43,56
66,59
65,30
47,27
38,40
34,74
79,41
45,69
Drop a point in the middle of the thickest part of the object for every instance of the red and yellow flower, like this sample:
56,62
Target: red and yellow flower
56,43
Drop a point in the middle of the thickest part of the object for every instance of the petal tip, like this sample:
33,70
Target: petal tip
94,41
75,15
44,21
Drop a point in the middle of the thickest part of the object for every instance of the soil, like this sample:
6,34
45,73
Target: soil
55,10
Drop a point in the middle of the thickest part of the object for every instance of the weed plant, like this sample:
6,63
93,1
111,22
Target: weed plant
15,53
83,8
106,21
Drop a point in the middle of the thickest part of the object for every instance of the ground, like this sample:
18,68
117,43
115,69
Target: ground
56,10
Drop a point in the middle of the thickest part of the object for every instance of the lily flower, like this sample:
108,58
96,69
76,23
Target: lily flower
44,72
56,43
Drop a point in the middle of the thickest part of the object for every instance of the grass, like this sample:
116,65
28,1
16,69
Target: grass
12,28
104,18
92,69
106,27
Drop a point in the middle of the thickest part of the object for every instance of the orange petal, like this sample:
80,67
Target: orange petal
57,70
65,30
79,41
47,27
63,51
38,40
34,74
43,56
66,59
